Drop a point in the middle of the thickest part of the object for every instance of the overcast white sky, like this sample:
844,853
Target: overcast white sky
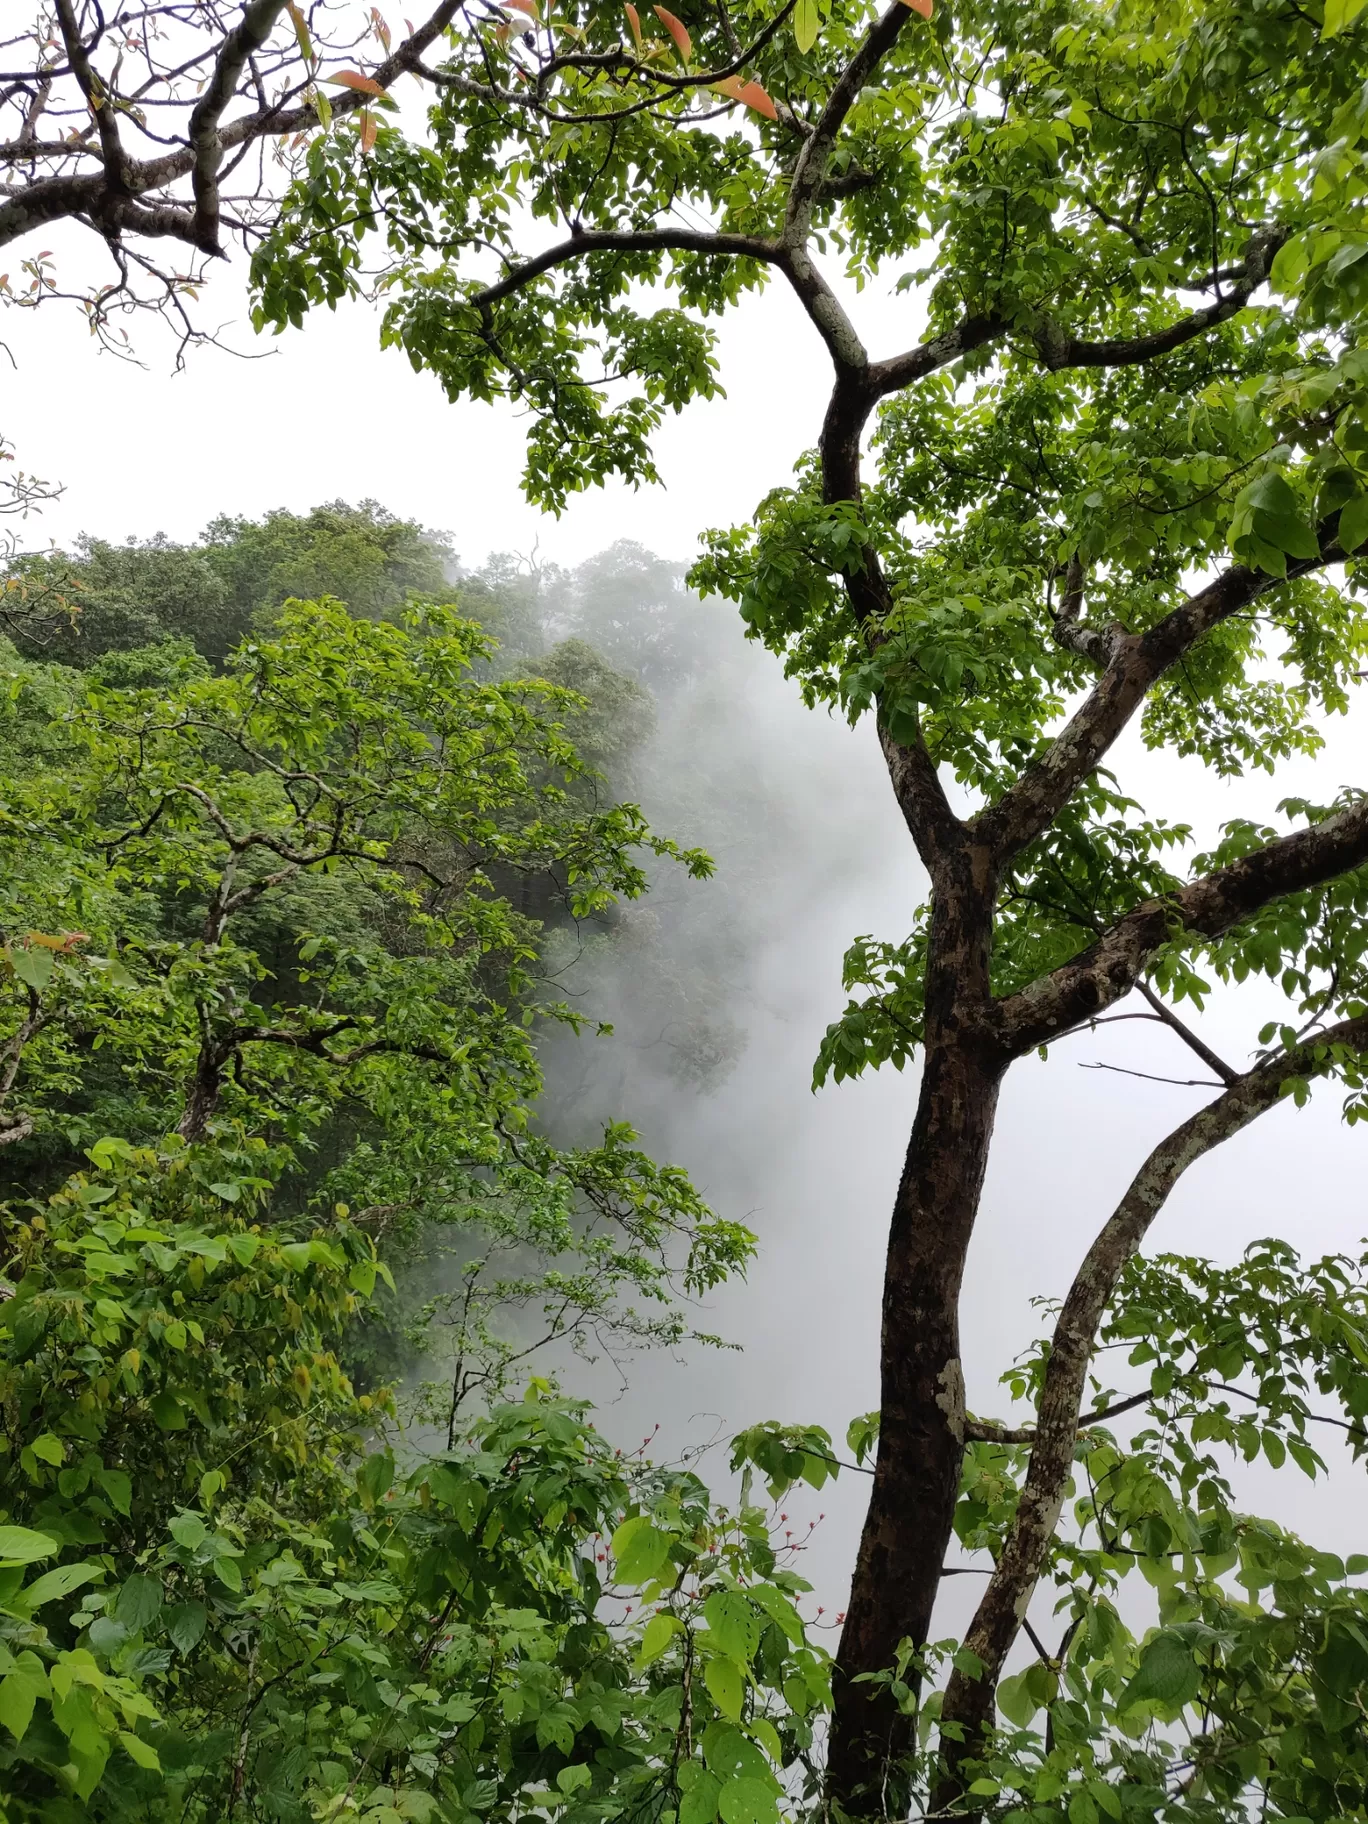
323,413
327,415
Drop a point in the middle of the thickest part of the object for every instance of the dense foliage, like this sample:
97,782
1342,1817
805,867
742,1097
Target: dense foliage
222,1594
1119,480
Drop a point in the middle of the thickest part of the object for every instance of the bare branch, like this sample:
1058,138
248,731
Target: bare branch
249,35
1187,1035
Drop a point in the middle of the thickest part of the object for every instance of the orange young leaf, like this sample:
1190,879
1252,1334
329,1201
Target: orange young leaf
63,945
730,86
920,6
755,97
502,33
675,27
369,126
353,79
381,30
523,6
634,20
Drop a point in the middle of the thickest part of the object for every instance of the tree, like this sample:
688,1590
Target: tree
1109,485
213,593
130,121
266,903
281,1616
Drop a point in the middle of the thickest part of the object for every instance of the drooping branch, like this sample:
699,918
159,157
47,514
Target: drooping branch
1108,969
968,1704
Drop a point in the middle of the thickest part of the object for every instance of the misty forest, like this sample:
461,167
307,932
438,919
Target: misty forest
558,1260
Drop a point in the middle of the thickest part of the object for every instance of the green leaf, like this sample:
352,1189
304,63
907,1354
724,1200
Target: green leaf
139,1602
747,1801
807,23
229,1573
59,1582
698,1805
49,1449
725,1686
1082,1807
733,1626
1290,263
118,1487
1168,1674
185,1625
659,1631
32,965
168,1412
21,1545
1015,1700
1353,519
189,1530
1340,14
142,1752
641,1550
19,1692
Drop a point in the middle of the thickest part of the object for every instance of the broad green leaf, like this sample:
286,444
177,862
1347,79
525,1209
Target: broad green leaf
33,967
137,1750
747,1801
168,1412
698,1804
725,1686
1340,14
807,23
189,1530
1353,520
118,1487
733,1626
185,1625
641,1550
59,1582
659,1631
19,1692
21,1545
1168,1674
139,1602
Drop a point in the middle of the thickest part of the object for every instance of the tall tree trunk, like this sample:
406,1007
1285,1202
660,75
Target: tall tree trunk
921,1437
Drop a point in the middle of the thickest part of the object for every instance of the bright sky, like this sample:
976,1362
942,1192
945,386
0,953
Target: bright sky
323,413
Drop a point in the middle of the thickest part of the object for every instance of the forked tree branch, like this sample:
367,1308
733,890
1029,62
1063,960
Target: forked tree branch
129,204
1135,663
248,36
1107,971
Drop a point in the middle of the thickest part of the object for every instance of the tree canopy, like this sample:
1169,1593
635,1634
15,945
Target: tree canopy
1112,481
1115,477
